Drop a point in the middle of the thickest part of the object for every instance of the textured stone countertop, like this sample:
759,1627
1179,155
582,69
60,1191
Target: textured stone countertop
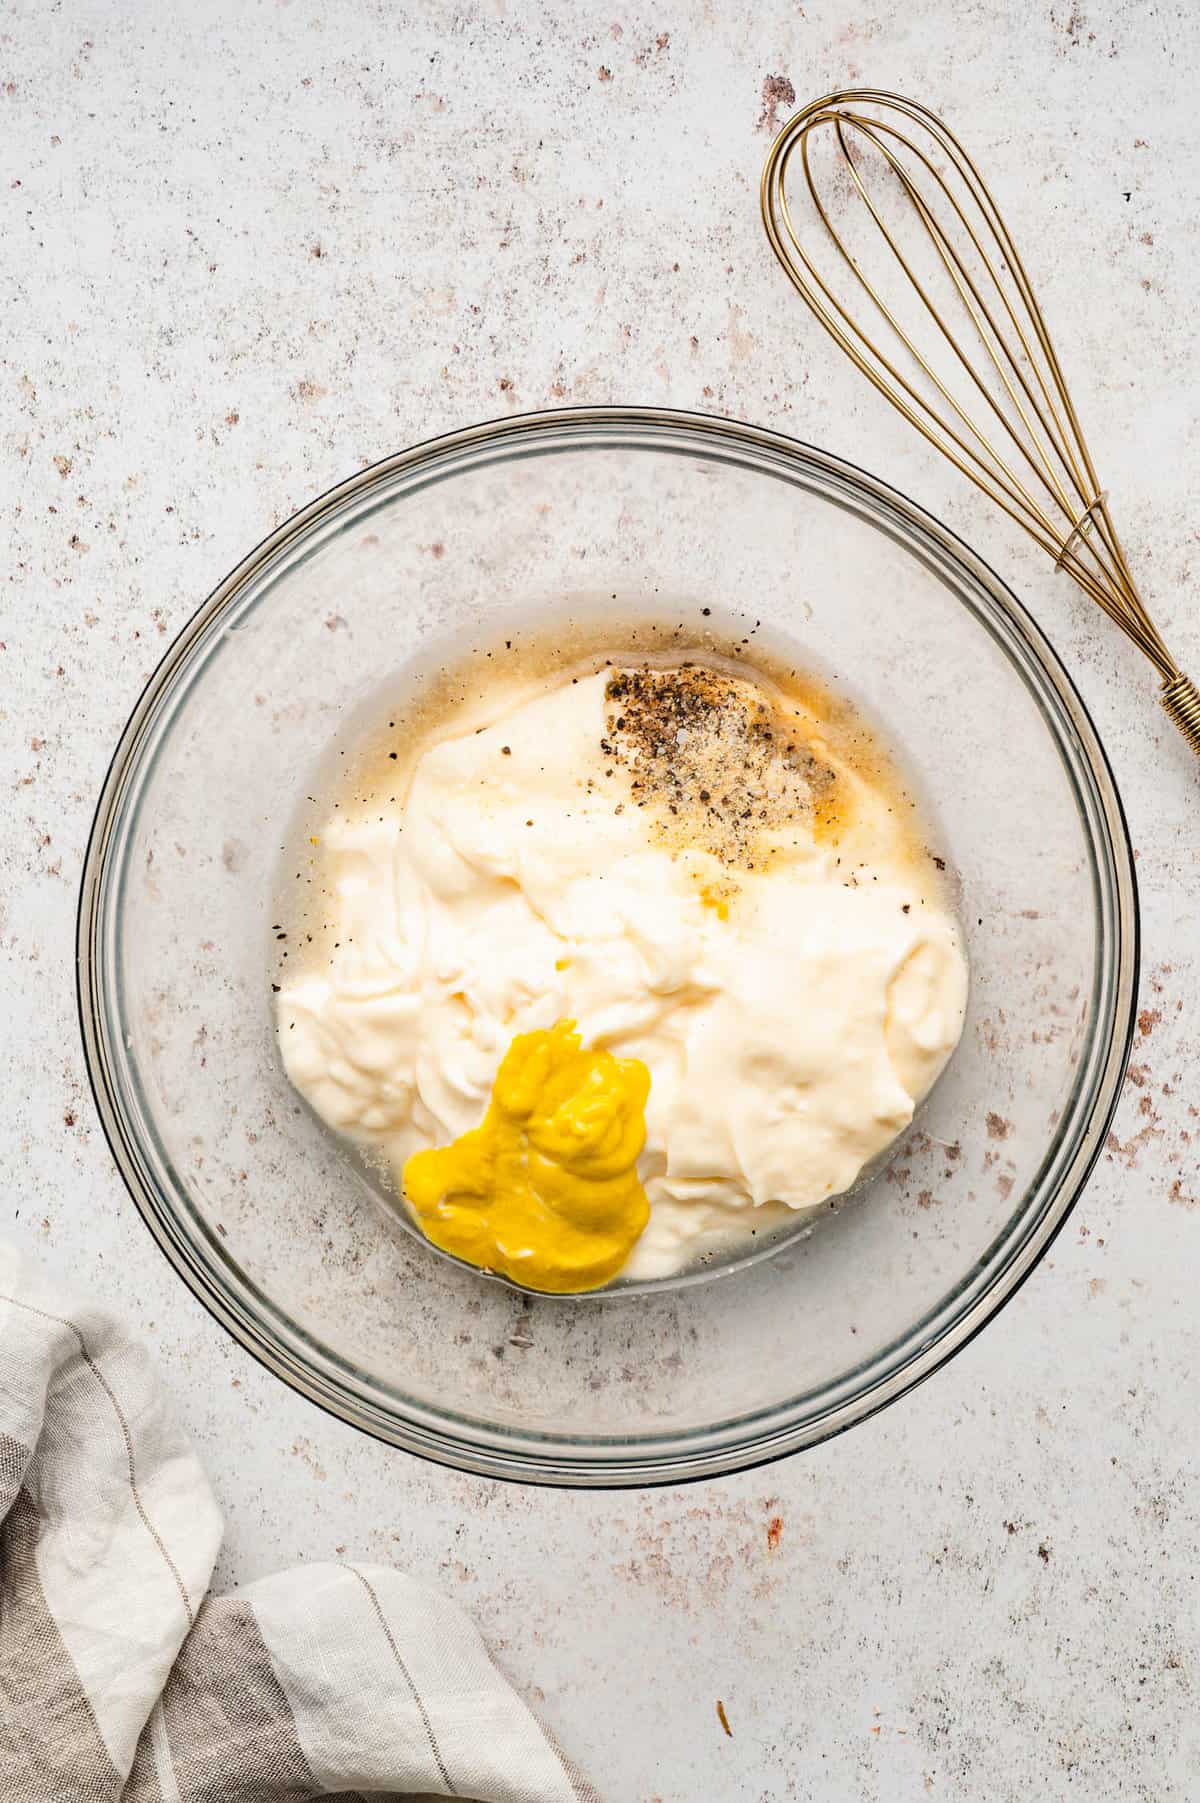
248,248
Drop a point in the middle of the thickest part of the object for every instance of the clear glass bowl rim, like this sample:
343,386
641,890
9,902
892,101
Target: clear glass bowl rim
309,1368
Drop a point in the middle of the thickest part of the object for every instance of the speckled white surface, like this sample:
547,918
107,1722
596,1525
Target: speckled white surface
248,248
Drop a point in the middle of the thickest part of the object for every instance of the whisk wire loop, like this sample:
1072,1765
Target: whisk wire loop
993,398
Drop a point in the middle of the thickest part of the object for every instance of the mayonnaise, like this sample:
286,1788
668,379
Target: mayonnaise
693,887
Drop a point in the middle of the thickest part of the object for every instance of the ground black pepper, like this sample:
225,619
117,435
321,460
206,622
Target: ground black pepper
690,732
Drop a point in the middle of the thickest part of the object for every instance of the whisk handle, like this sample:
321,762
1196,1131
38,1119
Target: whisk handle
1181,699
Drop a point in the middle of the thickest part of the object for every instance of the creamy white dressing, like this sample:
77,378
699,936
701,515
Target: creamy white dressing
517,883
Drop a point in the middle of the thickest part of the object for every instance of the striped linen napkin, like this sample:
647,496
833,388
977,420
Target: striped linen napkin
121,1678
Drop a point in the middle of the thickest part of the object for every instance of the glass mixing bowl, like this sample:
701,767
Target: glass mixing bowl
275,1229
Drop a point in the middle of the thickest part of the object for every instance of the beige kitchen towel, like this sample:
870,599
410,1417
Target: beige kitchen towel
121,1678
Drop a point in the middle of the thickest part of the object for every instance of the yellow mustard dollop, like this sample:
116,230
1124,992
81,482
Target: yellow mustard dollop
546,1190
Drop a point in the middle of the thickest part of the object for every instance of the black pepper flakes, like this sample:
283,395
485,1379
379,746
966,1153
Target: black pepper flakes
674,730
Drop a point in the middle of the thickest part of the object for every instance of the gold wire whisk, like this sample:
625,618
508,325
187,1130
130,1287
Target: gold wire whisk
1019,440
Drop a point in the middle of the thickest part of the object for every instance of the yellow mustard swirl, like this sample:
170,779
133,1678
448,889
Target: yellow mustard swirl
546,1190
